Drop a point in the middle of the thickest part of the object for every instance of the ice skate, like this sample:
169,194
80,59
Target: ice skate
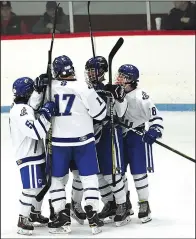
25,227
94,222
122,217
37,219
144,212
62,222
108,212
77,212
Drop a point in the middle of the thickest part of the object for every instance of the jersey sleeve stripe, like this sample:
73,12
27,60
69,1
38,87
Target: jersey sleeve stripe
155,118
36,132
39,120
96,116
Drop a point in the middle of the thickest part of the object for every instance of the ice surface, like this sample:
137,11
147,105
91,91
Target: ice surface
172,189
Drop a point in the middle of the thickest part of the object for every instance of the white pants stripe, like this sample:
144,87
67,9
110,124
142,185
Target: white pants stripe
30,177
35,175
149,157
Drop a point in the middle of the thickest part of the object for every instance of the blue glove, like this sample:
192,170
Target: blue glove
48,110
41,83
152,134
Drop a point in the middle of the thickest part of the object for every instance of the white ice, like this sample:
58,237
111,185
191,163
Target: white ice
172,189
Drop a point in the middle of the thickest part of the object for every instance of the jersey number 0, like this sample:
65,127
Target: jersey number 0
69,98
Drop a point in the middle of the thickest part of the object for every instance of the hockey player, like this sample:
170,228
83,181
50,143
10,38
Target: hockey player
25,131
104,155
73,139
137,149
114,197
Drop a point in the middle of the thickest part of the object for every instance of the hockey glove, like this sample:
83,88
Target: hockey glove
48,110
151,135
117,91
41,83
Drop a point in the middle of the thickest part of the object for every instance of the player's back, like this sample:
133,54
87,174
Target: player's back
20,123
77,105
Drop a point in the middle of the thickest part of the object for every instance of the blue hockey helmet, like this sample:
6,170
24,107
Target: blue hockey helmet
97,66
63,66
129,72
23,87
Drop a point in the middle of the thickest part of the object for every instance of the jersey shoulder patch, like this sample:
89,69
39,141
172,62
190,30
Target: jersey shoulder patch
23,111
145,96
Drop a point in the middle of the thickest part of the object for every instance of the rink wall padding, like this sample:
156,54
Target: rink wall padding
165,59
161,107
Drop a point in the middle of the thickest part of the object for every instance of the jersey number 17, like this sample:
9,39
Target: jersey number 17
69,98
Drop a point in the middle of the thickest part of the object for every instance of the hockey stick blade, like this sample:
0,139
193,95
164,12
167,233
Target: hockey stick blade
113,52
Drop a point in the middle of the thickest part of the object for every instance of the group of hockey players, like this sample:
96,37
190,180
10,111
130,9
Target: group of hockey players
81,143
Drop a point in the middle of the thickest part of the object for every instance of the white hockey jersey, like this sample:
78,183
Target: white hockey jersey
77,106
141,110
25,131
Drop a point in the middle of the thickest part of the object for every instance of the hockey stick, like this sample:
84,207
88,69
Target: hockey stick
43,192
112,53
90,29
158,142
91,36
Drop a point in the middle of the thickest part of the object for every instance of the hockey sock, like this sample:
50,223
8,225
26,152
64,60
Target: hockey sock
105,189
91,191
141,185
26,201
58,194
119,189
77,189
125,182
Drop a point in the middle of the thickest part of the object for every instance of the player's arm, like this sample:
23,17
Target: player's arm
40,85
35,100
155,121
36,128
94,103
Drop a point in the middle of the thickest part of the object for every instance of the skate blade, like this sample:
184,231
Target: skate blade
24,232
60,230
146,219
73,215
122,223
108,220
96,230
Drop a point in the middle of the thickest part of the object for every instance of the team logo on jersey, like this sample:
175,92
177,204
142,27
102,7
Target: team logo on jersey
83,138
144,95
23,111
